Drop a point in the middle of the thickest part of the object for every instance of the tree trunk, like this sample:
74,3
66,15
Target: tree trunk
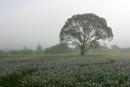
82,51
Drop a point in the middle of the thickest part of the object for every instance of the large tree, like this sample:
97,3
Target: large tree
85,31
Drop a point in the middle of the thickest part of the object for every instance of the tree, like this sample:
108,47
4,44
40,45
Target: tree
115,47
39,49
24,51
85,31
58,49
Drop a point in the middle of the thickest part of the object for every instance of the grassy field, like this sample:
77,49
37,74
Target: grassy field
70,70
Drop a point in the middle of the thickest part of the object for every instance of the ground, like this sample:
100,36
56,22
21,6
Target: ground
92,70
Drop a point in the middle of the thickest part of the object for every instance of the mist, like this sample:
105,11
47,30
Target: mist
32,22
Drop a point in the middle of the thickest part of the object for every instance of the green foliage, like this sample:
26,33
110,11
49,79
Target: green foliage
14,79
58,49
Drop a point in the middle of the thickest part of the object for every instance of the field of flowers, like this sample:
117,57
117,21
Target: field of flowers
78,72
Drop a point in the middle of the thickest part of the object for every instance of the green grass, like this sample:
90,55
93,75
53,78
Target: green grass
109,55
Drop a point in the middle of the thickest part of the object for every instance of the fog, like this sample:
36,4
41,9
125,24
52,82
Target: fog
32,22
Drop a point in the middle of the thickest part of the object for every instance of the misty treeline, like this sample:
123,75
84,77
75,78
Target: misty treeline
62,49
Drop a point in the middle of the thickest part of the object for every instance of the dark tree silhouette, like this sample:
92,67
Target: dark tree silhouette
85,31
58,49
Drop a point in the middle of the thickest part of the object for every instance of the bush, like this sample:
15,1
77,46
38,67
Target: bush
58,49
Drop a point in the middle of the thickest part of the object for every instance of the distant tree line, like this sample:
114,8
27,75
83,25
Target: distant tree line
56,49
62,49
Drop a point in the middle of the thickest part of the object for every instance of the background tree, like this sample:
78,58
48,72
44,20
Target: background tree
39,49
85,31
115,47
58,49
24,51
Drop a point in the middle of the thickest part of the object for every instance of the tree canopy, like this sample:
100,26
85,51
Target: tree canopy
85,31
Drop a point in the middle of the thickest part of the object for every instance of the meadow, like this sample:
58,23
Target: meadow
92,70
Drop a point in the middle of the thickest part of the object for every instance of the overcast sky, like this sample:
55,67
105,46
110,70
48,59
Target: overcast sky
30,22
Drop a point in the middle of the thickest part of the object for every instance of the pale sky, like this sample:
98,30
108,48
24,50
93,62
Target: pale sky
30,22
